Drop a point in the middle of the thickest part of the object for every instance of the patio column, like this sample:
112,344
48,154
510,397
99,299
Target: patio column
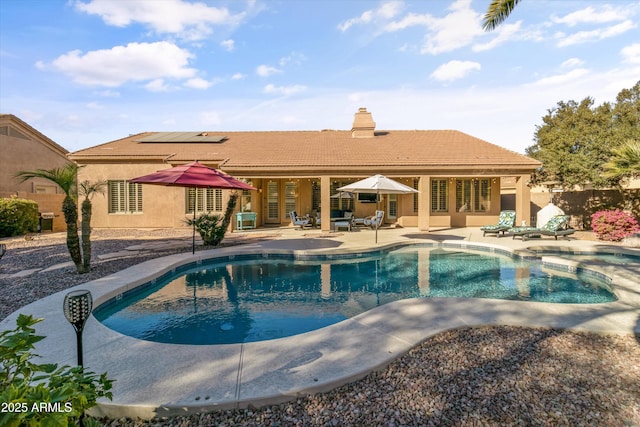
523,200
325,203
424,196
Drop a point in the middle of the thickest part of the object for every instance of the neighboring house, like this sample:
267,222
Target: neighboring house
23,148
458,176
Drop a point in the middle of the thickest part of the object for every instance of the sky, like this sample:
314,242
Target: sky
86,72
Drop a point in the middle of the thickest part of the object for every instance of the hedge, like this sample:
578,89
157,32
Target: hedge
18,216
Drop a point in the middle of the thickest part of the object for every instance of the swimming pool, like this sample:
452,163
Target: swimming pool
252,298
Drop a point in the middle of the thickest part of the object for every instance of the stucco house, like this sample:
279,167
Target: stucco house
24,148
458,176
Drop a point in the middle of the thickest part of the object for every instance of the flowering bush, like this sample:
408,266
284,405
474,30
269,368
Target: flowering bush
613,225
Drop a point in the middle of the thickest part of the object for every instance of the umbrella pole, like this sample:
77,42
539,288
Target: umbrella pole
377,206
195,206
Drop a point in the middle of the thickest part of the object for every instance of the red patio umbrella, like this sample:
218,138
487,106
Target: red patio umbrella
193,175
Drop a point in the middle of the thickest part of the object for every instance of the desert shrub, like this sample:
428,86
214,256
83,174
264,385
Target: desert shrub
212,227
209,227
43,395
613,225
18,216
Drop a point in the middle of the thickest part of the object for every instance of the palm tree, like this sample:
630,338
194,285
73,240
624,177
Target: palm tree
497,12
88,190
625,162
65,178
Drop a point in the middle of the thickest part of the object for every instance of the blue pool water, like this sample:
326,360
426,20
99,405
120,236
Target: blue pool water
260,299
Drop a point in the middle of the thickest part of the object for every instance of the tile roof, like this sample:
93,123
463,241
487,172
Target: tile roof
319,150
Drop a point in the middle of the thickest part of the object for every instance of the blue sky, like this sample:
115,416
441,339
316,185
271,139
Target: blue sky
85,72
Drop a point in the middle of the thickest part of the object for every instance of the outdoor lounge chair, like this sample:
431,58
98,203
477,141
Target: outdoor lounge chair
374,221
557,226
506,221
299,220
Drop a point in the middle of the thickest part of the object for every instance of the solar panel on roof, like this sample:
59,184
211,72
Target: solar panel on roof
177,137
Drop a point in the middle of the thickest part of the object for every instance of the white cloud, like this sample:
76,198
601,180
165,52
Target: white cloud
386,11
570,76
267,70
192,21
410,20
108,93
454,70
506,33
294,58
631,53
284,90
228,45
594,35
238,76
198,83
590,15
94,105
572,62
456,29
453,31
120,64
157,85
365,18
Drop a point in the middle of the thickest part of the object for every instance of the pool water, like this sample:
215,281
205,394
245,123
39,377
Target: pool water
260,299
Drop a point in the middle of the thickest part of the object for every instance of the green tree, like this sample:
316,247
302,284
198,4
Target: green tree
65,178
577,139
497,12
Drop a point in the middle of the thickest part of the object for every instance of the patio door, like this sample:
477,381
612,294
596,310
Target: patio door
273,203
392,206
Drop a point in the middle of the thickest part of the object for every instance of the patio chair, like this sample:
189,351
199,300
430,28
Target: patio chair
374,221
557,226
3,249
506,221
299,220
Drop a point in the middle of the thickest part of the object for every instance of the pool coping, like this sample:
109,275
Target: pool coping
169,379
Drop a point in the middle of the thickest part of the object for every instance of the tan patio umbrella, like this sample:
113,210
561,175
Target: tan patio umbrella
378,184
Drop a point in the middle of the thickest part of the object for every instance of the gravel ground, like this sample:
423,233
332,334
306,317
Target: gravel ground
488,376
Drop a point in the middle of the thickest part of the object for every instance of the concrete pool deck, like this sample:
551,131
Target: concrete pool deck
169,379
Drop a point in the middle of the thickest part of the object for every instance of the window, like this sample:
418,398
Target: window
290,195
415,195
473,195
392,206
209,200
439,195
344,203
124,197
315,196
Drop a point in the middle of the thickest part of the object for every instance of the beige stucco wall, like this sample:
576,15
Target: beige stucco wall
165,206
26,153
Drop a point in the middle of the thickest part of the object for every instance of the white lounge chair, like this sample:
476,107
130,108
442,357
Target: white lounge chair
299,220
374,221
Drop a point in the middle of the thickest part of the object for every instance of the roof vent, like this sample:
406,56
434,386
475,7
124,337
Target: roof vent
363,124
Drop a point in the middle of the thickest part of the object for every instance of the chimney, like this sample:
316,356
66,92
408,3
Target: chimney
363,124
